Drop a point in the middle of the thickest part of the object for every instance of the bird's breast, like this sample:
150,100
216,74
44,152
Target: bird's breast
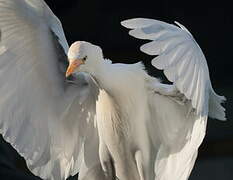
114,129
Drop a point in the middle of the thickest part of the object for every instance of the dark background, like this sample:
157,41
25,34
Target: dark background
212,26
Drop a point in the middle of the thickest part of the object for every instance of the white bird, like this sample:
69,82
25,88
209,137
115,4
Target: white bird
113,121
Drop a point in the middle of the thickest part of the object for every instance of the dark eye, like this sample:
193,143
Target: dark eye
85,58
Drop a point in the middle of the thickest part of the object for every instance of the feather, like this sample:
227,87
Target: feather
39,109
175,64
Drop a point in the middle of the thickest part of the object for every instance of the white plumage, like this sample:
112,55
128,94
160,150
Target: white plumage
112,120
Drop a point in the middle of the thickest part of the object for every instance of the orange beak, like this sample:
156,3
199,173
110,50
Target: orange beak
74,65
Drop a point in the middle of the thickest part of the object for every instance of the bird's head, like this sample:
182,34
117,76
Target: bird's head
83,57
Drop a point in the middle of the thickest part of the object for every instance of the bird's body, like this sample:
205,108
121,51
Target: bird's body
115,133
109,121
122,124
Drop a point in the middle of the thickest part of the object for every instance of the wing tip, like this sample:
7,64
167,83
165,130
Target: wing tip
137,22
144,48
130,23
182,27
124,23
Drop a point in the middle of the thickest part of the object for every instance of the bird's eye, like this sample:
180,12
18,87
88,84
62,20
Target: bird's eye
85,58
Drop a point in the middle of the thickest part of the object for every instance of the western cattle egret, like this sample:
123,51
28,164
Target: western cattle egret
109,121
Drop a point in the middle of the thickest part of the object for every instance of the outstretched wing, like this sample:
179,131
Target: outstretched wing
182,60
44,118
179,130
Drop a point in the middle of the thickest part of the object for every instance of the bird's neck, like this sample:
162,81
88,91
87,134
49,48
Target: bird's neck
103,73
